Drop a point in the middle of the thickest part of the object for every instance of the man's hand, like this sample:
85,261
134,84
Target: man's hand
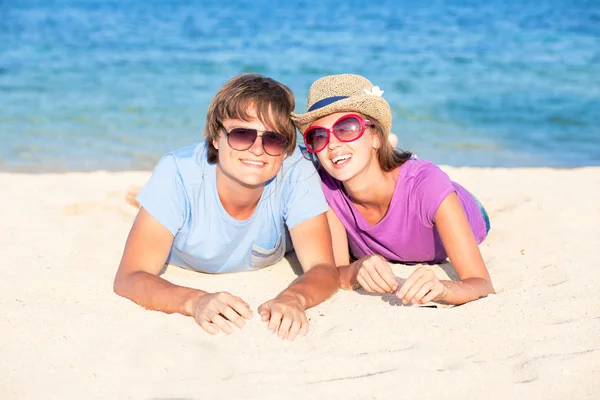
215,312
285,316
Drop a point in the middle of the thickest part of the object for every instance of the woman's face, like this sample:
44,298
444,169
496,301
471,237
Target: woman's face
344,160
252,167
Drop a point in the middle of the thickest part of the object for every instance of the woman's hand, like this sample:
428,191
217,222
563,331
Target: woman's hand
375,275
421,287
215,312
285,315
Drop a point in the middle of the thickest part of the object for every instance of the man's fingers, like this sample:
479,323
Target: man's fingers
265,312
239,305
274,321
208,326
222,324
294,330
284,327
232,316
243,309
304,328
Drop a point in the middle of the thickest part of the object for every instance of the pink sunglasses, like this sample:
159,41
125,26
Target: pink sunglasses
346,129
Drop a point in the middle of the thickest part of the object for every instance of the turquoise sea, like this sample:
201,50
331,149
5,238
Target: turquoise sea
105,84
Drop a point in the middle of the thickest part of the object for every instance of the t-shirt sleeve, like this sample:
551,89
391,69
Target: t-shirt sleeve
431,187
304,197
164,195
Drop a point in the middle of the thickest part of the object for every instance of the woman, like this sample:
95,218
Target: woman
224,206
388,205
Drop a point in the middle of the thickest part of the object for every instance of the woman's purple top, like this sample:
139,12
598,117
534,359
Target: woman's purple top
406,233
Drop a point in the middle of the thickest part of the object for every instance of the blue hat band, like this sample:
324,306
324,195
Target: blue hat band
325,102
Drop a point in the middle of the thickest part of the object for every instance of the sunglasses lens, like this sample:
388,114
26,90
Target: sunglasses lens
274,143
347,129
316,139
241,138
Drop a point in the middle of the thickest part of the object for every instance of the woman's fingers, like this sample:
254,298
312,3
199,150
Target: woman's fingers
387,275
381,283
377,275
401,294
368,284
424,290
414,289
421,287
432,295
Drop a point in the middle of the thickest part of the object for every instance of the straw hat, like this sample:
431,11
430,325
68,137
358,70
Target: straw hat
344,93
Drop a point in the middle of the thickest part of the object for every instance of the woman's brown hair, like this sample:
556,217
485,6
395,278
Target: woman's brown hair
388,156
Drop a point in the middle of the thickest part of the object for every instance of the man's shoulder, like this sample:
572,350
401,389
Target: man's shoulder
297,163
190,162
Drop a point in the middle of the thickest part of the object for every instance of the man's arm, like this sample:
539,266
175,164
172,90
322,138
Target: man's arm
312,243
137,279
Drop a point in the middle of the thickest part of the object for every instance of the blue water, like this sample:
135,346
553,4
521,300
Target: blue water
104,84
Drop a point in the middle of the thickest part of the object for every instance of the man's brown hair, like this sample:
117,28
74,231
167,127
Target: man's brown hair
248,96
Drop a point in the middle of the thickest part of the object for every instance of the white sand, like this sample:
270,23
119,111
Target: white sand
65,335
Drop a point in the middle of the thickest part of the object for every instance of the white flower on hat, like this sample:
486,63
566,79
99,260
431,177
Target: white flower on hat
375,91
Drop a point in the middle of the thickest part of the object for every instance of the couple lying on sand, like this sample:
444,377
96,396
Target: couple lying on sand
241,199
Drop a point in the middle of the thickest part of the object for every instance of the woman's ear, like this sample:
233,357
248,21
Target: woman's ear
376,140
215,143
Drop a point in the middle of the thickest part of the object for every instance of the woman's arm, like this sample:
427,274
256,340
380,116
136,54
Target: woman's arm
461,247
341,254
137,279
372,272
339,239
320,280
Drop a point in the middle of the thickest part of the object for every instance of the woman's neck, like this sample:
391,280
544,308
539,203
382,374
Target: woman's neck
371,192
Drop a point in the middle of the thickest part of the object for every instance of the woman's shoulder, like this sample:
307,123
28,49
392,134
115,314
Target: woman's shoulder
416,167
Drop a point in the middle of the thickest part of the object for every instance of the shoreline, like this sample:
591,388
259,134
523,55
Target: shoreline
149,170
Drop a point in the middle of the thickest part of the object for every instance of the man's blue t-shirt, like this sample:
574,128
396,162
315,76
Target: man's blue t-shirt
182,196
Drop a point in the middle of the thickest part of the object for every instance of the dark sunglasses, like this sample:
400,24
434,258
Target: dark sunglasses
348,128
240,139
